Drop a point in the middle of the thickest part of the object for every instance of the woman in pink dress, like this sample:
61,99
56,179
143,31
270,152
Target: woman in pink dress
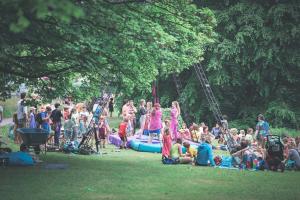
155,122
167,143
175,112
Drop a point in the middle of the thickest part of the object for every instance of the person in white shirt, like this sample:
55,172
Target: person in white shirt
22,111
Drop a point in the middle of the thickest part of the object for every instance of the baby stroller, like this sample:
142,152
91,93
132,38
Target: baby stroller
275,156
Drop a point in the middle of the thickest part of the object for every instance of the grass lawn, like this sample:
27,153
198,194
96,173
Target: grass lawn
9,107
135,175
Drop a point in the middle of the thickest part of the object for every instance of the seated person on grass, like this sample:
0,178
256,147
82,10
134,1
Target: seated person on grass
185,132
290,152
195,133
205,153
176,153
190,151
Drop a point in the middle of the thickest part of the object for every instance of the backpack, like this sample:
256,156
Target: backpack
169,161
38,118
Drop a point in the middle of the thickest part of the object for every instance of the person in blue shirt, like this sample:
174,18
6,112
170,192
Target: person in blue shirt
45,114
216,131
205,154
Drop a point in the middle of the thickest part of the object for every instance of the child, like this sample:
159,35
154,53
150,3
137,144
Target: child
167,143
17,136
190,151
205,130
195,134
242,135
69,126
102,132
123,132
234,134
185,132
32,123
249,136
176,153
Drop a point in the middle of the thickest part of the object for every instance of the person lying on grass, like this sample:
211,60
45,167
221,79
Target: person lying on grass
176,153
205,153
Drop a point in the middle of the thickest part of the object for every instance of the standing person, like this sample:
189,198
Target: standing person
155,122
132,110
45,115
1,113
17,136
141,116
111,106
22,111
102,132
75,119
32,123
66,113
122,133
262,130
147,118
175,112
249,136
68,129
56,117
167,143
125,109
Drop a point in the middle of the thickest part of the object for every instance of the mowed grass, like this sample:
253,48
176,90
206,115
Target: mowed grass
135,175
9,107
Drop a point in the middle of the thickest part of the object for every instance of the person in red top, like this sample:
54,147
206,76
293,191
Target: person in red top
122,132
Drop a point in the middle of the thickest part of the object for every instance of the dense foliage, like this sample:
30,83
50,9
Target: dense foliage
249,49
254,66
127,43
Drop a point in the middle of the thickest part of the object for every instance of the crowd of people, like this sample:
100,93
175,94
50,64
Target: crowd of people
249,147
67,121
147,119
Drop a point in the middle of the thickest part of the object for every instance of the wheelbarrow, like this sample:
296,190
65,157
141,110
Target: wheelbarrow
33,138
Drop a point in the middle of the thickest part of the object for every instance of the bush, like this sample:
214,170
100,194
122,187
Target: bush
280,131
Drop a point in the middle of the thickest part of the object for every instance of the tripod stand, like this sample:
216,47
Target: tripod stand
85,147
